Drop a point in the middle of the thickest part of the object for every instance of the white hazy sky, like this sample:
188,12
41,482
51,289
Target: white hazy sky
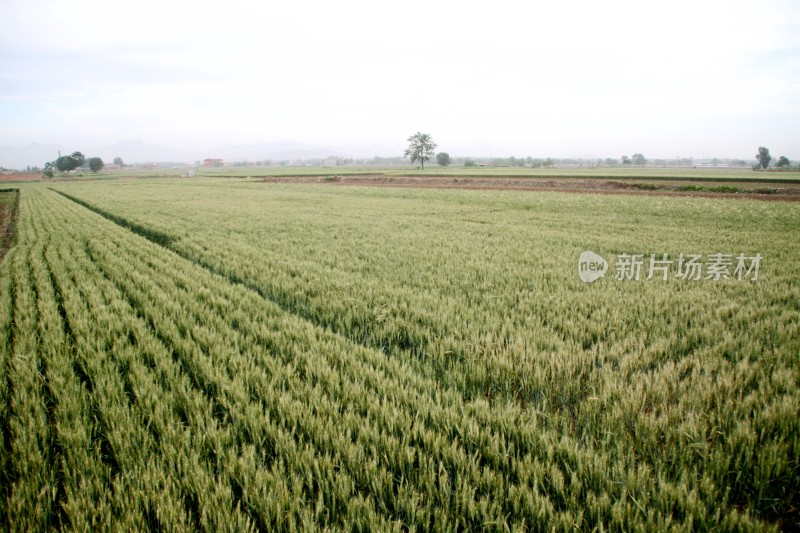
569,78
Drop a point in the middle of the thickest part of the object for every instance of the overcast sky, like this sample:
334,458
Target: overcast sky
571,78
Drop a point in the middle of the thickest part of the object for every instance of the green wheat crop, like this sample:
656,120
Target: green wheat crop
217,354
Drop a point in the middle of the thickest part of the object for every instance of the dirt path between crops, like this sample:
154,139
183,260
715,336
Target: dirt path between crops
750,190
21,176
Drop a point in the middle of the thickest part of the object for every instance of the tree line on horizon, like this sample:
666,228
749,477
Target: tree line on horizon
422,149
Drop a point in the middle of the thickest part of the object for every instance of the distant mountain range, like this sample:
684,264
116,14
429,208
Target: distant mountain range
136,151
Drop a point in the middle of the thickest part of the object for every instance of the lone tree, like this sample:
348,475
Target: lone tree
783,162
49,169
763,157
96,164
443,158
65,163
420,148
638,160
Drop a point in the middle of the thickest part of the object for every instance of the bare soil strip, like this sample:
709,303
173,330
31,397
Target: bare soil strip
757,191
21,176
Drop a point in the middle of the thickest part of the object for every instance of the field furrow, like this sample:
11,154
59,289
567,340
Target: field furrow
6,387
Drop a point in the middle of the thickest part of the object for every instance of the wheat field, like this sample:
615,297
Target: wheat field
219,354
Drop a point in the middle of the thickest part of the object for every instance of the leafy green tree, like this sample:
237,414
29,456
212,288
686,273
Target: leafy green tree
783,162
49,169
420,148
118,161
443,158
470,163
626,160
96,164
763,157
65,163
638,159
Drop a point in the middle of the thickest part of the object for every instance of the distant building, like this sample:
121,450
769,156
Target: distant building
212,163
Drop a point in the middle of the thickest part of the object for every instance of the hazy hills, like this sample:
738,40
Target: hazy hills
137,151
